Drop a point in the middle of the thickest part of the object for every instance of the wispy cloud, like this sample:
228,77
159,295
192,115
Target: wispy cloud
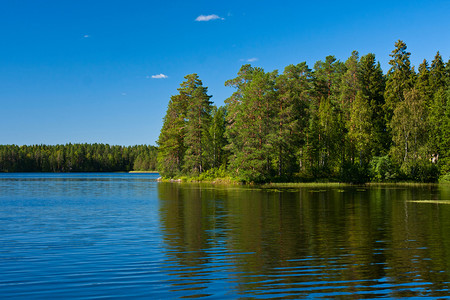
203,18
253,59
86,36
158,76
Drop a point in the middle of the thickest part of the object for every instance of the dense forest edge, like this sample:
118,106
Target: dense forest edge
77,158
338,122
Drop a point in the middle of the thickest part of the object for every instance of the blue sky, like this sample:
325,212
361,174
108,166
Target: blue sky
83,71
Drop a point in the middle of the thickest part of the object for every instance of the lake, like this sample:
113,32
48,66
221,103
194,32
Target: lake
121,235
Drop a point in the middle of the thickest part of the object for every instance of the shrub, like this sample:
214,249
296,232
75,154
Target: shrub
354,173
381,168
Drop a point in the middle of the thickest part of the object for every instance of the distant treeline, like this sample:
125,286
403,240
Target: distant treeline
343,121
77,158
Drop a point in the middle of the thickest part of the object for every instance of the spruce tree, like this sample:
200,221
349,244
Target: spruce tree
437,102
399,78
437,74
422,83
371,83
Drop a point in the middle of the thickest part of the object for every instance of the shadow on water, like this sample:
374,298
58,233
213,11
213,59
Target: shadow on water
323,242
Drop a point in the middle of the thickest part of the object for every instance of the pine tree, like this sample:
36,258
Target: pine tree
329,138
327,77
171,138
250,123
198,120
290,121
218,139
349,87
323,149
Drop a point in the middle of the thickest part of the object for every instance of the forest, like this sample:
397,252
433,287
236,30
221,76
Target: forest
339,121
77,158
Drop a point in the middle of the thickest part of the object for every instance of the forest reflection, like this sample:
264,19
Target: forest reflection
296,242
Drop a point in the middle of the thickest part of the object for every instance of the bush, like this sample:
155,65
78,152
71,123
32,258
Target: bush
422,171
354,173
213,174
381,168
445,178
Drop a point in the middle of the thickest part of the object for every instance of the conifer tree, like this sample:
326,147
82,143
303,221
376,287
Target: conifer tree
290,120
437,102
349,87
437,73
198,120
399,78
171,138
323,150
444,159
327,77
371,83
250,122
218,139
329,138
422,83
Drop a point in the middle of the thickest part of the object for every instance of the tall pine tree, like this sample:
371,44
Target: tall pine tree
198,120
171,138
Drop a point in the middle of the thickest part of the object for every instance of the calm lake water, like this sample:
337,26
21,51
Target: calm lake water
128,236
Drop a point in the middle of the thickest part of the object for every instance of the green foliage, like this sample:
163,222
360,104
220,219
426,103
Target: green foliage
198,119
399,78
372,85
218,139
360,126
354,173
421,171
185,140
339,120
445,178
171,138
77,158
251,111
215,174
382,169
409,129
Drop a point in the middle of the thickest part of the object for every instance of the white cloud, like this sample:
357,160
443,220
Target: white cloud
253,59
203,18
86,36
159,76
